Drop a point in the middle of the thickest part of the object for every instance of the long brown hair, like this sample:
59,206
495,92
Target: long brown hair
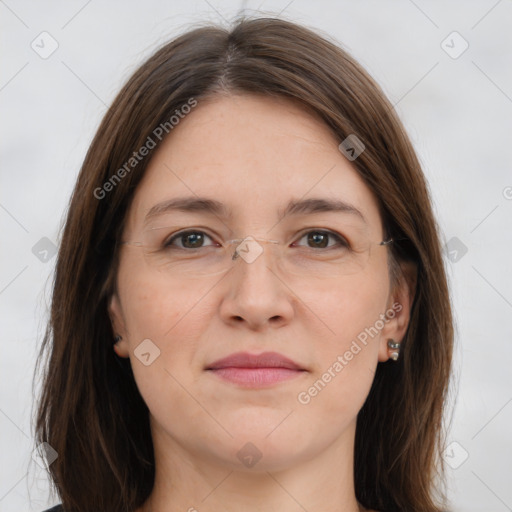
90,410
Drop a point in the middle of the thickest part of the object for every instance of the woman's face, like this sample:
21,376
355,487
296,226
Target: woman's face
177,317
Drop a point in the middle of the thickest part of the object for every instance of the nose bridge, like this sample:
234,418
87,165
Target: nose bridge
256,257
258,274
250,249
255,291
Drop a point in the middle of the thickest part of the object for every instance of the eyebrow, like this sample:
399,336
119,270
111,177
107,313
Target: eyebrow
195,204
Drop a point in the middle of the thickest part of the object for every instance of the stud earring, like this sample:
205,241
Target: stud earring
394,346
117,338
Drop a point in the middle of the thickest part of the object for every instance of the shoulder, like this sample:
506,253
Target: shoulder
57,508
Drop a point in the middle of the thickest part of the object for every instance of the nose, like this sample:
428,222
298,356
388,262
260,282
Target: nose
254,293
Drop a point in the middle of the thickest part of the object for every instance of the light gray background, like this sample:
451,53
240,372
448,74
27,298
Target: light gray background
458,112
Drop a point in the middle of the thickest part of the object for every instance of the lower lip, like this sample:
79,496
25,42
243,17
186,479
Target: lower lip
256,377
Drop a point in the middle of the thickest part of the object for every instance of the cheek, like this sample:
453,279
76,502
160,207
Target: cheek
168,317
348,356
354,306
156,309
174,319
155,306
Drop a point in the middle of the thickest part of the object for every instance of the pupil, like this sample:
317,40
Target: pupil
195,237
318,238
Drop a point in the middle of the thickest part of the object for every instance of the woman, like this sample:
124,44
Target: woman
250,310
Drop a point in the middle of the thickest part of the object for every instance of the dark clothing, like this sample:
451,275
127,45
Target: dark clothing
57,508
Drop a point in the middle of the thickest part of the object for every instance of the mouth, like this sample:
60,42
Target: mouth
255,371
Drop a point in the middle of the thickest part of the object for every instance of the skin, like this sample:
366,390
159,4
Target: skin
254,154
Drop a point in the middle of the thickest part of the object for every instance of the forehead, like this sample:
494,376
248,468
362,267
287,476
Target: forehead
255,155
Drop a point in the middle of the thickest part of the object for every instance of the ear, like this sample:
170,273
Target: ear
118,325
399,308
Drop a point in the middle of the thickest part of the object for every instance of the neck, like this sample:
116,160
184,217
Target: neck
194,481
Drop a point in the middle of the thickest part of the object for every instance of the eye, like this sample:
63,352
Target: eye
189,239
320,239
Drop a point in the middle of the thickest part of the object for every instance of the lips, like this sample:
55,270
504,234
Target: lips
255,371
264,360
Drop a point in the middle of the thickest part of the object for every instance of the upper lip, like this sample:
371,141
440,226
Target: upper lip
246,360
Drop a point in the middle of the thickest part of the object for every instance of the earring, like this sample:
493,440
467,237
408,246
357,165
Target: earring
117,338
394,346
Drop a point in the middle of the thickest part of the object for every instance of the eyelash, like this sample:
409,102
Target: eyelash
340,239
